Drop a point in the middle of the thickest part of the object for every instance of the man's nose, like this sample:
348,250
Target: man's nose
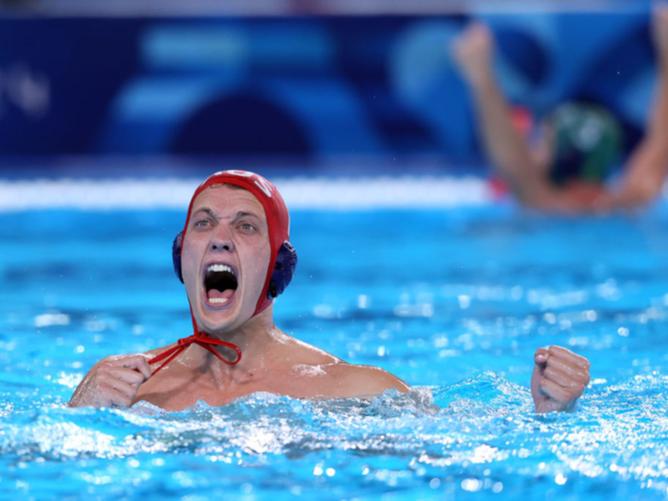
221,244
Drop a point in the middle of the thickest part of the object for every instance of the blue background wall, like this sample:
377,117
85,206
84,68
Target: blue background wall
308,88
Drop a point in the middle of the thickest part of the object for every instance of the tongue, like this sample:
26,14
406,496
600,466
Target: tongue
216,294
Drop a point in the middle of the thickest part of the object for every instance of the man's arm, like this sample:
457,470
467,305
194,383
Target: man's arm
559,378
648,165
507,149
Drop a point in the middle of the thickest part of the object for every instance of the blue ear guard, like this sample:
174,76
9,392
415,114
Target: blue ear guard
176,254
284,266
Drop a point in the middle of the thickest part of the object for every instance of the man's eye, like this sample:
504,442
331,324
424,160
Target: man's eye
201,223
247,228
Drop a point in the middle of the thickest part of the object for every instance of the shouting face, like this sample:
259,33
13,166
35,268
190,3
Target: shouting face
225,257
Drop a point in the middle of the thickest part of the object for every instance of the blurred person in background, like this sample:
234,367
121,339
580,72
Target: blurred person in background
566,170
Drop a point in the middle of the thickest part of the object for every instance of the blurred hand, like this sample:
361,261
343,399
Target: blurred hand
473,51
559,378
113,381
660,29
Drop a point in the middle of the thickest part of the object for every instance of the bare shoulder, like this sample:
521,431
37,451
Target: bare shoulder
363,380
323,374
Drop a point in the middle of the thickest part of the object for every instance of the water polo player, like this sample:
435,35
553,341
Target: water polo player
234,257
580,143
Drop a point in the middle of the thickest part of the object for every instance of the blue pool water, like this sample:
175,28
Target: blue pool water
454,302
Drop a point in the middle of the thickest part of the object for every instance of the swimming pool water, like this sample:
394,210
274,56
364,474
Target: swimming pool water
453,302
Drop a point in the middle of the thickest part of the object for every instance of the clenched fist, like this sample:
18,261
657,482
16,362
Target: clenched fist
559,378
112,382
473,52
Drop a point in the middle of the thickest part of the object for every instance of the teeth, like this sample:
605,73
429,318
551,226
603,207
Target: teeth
219,267
218,300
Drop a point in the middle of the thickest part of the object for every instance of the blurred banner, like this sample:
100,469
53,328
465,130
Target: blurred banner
295,86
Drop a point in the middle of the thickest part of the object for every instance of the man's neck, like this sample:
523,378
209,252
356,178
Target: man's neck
253,339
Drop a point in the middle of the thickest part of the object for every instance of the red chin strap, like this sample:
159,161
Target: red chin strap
204,340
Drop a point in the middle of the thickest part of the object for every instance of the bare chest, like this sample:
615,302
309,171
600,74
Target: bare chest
178,394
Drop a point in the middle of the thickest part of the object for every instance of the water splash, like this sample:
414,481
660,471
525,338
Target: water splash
479,435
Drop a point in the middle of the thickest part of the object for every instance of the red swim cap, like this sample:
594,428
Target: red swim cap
278,219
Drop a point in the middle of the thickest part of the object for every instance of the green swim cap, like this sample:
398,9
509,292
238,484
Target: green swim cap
587,143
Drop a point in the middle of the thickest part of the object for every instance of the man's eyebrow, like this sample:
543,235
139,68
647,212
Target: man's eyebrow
207,210
239,215
242,214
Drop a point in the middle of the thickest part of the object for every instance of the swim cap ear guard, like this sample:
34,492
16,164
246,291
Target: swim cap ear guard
284,268
282,271
177,244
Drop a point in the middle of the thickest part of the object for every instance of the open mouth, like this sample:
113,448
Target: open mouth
220,283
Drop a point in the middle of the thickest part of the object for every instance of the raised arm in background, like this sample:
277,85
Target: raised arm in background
513,159
507,150
647,166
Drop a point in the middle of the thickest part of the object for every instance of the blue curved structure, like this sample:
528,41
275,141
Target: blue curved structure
312,88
